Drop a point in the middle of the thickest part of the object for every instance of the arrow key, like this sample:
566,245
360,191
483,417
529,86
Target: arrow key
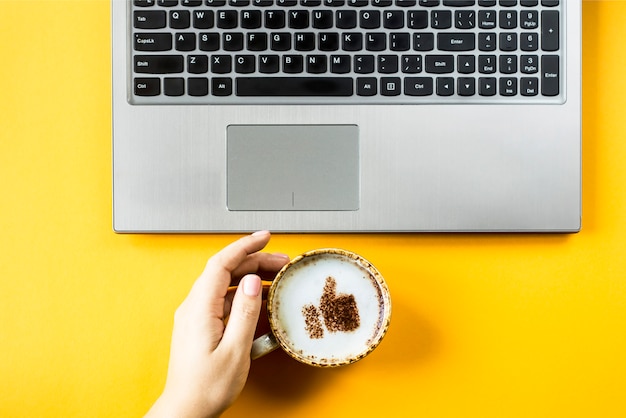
466,86
487,86
445,86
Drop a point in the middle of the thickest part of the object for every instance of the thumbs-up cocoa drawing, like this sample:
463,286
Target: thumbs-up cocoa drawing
338,312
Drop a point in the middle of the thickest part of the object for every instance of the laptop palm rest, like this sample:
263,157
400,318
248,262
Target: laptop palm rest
293,167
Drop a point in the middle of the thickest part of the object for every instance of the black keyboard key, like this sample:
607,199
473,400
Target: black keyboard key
215,3
147,86
185,41
508,41
203,19
390,86
233,41
221,64
340,64
399,41
387,64
466,64
281,41
191,3
487,41
269,64
293,64
159,64
423,41
251,19
153,42
222,86
441,19
149,19
346,19
393,19
550,84
487,19
198,86
529,86
363,64
304,41
411,64
322,19
529,64
227,19
466,86
294,86
550,30
508,19
173,86
459,3
445,86
316,64
167,3
143,3
180,19
298,19
508,86
209,41
439,64
417,19
366,86
418,86
550,3
376,41
464,19
456,41
245,64
352,41
197,64
487,86
274,19
328,41
369,19
256,41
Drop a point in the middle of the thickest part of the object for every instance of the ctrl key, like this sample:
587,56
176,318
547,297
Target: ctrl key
147,86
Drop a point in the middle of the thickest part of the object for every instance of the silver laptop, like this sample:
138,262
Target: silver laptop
346,115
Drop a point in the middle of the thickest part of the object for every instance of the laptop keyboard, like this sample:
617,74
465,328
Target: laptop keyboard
346,51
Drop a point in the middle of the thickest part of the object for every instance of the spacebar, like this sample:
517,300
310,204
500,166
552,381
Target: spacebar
294,86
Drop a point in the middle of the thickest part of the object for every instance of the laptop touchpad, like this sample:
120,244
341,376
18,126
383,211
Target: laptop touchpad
293,167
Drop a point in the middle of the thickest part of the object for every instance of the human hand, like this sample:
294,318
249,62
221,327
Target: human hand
209,359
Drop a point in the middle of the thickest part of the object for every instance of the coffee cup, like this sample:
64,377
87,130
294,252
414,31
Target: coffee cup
326,308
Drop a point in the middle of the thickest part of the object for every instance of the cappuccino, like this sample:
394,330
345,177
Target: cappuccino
329,307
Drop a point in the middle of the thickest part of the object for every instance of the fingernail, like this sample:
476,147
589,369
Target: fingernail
251,285
259,233
281,255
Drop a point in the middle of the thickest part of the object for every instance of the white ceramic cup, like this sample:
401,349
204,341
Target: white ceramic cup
326,308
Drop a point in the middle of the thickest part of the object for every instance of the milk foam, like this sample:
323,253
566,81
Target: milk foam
303,285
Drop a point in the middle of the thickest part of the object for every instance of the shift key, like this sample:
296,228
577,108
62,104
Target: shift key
159,64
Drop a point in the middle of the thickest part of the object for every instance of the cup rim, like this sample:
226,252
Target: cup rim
375,274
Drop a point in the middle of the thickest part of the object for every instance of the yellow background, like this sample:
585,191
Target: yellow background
483,325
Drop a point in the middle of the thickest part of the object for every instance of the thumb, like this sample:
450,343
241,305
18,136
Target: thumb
244,315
